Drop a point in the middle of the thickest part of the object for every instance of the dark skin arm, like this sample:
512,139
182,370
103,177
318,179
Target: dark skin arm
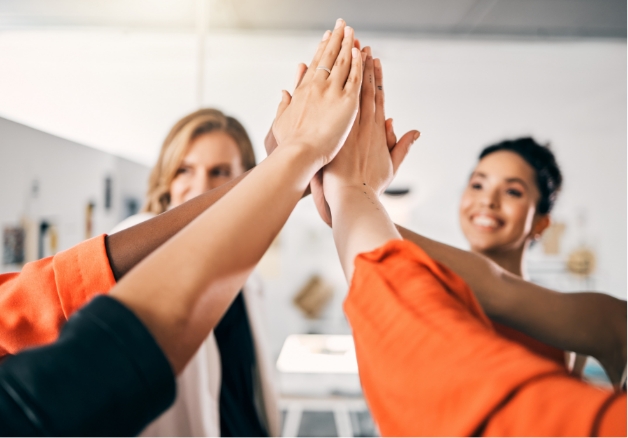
587,322
127,248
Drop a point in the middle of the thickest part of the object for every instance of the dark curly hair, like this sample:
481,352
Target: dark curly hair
548,176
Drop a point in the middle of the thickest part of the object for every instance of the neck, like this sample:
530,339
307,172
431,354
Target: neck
510,260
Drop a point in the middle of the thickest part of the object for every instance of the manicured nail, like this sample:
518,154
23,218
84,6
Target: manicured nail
355,53
377,63
348,31
326,35
339,23
416,135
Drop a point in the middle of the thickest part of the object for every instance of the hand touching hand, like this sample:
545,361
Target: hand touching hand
371,154
321,112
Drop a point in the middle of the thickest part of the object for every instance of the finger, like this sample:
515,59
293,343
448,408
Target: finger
379,91
343,62
356,43
367,100
354,81
399,152
368,51
309,74
331,51
301,69
286,98
391,138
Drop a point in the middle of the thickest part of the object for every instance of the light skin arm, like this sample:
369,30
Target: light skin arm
360,172
587,322
183,288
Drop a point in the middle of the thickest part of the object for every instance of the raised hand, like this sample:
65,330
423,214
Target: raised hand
320,114
371,154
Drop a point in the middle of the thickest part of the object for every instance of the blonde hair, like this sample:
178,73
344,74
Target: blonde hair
176,145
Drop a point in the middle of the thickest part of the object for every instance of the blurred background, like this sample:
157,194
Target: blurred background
89,89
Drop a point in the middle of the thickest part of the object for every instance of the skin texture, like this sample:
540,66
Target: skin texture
212,160
498,209
184,287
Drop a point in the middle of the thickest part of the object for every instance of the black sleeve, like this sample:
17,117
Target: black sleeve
105,376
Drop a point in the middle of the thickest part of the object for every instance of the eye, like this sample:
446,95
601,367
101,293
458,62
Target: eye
476,186
220,172
515,193
182,170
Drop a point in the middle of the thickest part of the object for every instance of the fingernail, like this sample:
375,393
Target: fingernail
339,23
416,135
348,31
326,35
363,56
377,63
355,53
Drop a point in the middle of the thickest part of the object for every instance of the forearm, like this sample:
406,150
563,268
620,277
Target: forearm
360,223
183,288
127,248
587,323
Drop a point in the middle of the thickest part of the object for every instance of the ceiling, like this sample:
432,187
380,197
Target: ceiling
458,18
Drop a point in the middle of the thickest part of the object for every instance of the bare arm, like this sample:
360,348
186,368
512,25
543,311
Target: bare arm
587,322
183,288
128,247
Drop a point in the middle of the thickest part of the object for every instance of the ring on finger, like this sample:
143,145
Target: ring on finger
323,68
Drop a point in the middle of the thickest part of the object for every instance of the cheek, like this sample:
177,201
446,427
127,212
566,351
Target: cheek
465,203
520,216
178,188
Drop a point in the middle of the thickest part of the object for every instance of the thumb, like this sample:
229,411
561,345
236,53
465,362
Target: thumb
286,98
301,70
400,150
391,138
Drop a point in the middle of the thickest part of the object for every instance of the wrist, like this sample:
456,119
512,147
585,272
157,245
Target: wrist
343,193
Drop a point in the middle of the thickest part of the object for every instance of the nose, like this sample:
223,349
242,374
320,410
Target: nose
202,183
490,199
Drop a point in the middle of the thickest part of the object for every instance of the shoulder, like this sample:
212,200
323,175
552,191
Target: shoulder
131,221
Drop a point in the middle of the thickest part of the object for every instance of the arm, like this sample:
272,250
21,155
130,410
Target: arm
183,288
127,248
587,322
422,341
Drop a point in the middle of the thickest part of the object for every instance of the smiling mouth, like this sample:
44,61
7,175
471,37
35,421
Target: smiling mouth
486,222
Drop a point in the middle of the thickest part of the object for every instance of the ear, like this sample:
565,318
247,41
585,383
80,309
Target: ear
541,223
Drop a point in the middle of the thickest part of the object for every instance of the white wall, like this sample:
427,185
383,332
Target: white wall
69,176
121,91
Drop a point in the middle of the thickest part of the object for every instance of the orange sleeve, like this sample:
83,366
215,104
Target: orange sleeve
37,301
431,363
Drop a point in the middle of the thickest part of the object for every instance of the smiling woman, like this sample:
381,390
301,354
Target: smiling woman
203,150
507,202
505,207
227,388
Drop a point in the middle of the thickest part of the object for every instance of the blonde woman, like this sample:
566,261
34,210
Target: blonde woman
227,388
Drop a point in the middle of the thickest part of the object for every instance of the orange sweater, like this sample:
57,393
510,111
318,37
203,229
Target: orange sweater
35,303
431,363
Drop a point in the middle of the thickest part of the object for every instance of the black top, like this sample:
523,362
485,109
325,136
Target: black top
105,376
238,416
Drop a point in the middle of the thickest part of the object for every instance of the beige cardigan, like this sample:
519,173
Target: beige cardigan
195,411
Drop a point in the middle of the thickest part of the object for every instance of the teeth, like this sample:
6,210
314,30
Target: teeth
485,221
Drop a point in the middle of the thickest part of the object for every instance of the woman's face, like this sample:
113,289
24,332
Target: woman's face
498,207
212,160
